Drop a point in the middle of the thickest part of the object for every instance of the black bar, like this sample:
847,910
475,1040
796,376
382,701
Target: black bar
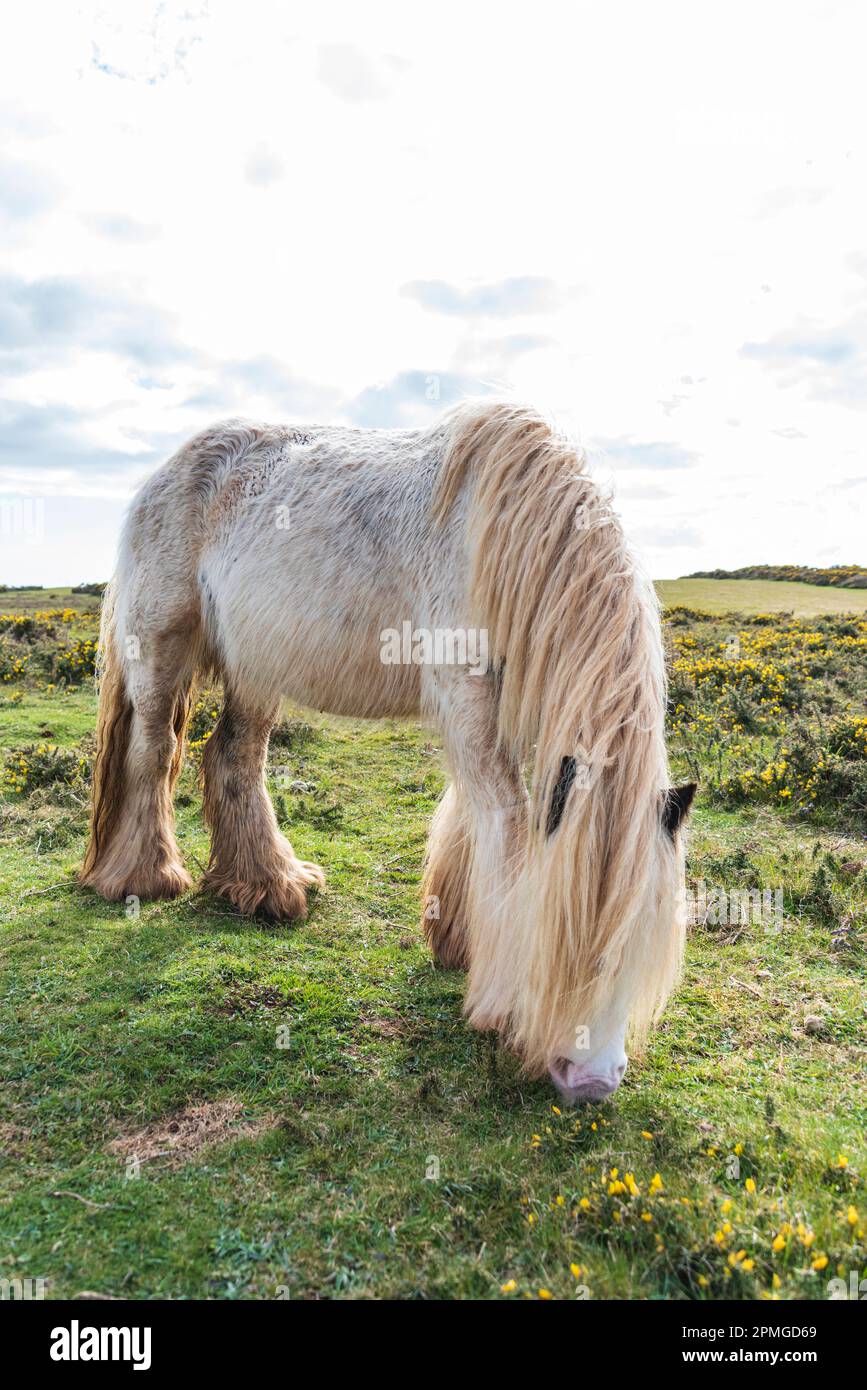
226,1337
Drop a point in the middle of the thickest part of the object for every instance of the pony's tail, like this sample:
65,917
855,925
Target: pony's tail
574,636
114,718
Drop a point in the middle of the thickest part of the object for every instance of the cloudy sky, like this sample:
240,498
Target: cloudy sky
649,219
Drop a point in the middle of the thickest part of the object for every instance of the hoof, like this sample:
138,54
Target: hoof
148,884
282,899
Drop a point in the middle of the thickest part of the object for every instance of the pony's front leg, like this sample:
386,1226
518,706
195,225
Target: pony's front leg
251,863
477,841
446,878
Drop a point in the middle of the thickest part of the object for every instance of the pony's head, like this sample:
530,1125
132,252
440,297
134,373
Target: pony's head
598,921
592,1060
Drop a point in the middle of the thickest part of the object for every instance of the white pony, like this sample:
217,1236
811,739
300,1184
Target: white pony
284,561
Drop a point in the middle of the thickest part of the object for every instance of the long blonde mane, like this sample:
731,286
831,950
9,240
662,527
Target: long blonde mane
575,639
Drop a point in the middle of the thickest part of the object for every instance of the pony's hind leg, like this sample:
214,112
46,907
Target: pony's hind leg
251,863
144,705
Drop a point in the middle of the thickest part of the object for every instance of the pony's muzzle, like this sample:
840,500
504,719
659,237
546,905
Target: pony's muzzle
578,1085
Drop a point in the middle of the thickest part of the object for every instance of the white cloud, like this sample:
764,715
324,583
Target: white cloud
649,456
25,190
263,166
314,211
350,73
510,298
118,227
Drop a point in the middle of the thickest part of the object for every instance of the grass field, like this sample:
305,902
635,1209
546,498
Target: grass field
36,600
196,1105
760,596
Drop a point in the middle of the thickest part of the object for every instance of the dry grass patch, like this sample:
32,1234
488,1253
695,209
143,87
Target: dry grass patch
13,1139
387,1027
179,1137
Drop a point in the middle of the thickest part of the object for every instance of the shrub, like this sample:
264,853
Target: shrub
13,665
76,663
749,705
204,715
43,765
292,733
848,738
41,623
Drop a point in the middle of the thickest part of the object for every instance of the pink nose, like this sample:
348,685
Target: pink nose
578,1084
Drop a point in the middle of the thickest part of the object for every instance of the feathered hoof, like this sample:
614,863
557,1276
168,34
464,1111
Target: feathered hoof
146,883
281,899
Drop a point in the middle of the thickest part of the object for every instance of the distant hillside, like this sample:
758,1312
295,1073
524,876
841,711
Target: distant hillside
837,576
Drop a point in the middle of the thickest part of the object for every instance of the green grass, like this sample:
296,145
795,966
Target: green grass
760,596
40,600
109,1022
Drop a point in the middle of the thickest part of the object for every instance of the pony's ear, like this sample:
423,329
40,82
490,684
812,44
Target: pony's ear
675,807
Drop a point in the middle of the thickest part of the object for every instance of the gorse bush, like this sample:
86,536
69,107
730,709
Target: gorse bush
13,663
76,663
203,718
43,765
53,645
44,623
848,738
772,712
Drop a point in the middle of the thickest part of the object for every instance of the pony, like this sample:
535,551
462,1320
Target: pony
293,562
